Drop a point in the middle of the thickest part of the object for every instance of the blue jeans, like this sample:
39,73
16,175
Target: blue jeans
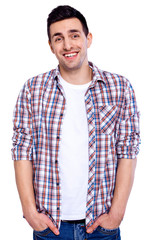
69,231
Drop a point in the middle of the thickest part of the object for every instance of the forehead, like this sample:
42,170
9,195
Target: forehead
65,26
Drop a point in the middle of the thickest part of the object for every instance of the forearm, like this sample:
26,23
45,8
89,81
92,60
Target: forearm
123,186
124,182
24,181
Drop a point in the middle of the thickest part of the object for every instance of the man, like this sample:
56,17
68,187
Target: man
76,137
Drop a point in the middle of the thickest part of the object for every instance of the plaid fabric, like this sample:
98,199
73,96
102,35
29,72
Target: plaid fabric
113,122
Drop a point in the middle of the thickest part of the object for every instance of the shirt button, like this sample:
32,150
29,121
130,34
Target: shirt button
57,183
58,137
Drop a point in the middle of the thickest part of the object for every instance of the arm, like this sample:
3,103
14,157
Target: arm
22,156
124,182
127,148
38,221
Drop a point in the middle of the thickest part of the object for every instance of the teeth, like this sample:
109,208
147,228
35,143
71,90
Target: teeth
70,55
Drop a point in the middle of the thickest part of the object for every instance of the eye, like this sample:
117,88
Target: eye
75,36
58,39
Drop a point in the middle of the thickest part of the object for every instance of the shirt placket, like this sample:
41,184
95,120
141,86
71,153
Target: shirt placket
58,182
92,152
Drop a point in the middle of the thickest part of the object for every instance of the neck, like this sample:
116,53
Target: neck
77,77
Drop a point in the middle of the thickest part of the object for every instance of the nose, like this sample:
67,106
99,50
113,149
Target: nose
67,44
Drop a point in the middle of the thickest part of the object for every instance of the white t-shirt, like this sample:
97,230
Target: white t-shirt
73,155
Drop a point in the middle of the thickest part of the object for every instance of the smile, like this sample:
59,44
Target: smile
70,55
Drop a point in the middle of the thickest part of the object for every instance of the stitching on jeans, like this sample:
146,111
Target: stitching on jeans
45,233
35,236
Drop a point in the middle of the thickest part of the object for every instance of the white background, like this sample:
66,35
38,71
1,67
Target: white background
121,44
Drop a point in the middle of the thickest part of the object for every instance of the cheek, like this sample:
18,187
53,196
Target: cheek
55,48
56,51
83,45
83,48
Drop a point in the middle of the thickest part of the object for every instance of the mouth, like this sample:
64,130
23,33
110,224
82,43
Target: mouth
70,55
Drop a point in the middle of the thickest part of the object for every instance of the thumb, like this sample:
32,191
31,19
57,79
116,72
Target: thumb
93,227
52,227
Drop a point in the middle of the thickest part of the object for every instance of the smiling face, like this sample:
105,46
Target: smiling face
69,44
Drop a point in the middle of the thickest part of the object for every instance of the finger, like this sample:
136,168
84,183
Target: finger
52,227
93,227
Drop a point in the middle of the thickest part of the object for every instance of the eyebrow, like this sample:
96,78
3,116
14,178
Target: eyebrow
56,34
74,30
70,31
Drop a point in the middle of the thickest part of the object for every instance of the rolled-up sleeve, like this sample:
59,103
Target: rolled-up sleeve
22,127
128,134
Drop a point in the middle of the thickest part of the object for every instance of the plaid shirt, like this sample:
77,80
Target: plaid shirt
113,123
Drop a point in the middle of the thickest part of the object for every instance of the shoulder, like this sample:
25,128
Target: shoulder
40,81
117,80
117,88
111,79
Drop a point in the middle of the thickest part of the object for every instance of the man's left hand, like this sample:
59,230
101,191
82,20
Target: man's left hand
106,221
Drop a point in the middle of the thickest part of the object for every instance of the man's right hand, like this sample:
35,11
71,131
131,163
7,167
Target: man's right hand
39,222
24,179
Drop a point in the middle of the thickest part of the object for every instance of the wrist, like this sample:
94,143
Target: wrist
29,211
117,214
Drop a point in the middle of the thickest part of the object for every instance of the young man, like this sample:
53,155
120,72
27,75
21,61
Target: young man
76,137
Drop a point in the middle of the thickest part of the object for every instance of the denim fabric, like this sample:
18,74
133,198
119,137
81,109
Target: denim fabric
70,231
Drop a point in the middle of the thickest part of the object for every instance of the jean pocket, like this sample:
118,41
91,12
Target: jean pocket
45,232
107,231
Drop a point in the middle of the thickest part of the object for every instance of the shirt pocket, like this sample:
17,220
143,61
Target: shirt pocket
108,117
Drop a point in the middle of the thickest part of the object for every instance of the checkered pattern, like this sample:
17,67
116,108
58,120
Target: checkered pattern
113,123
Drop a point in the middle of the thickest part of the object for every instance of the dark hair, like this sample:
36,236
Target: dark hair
64,12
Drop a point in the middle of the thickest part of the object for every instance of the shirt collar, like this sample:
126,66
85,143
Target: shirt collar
98,75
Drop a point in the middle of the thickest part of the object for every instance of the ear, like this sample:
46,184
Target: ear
51,47
89,39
